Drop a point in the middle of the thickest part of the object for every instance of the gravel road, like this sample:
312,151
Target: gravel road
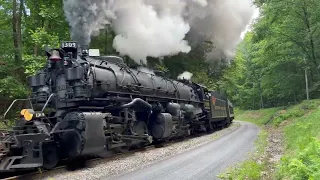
204,162
201,157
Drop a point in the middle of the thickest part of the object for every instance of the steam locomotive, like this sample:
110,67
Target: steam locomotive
86,104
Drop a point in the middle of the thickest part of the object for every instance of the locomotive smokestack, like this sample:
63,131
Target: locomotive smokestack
84,50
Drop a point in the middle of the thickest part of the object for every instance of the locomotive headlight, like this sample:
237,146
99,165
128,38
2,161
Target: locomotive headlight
27,114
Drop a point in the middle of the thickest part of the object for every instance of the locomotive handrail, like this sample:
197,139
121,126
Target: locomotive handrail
45,105
175,87
126,68
134,76
29,99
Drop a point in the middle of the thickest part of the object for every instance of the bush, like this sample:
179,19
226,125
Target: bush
302,159
306,165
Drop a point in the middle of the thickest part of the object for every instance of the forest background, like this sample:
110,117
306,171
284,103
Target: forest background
268,70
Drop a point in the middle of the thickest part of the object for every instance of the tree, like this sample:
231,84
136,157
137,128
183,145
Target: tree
16,29
272,56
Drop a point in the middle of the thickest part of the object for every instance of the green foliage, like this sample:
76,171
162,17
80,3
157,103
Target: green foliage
247,170
161,67
301,137
304,165
33,63
302,157
43,38
296,111
10,87
302,128
277,115
269,66
292,114
202,77
44,26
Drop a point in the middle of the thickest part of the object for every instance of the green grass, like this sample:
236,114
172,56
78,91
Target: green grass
302,146
301,126
297,111
276,116
251,168
258,117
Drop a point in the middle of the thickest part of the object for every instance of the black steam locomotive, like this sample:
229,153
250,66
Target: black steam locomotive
94,105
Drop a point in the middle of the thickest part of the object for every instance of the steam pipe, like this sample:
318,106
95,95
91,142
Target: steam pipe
136,102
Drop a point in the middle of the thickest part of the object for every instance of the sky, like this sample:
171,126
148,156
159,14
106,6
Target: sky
254,16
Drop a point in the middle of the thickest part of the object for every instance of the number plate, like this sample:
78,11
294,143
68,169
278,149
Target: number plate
68,45
39,114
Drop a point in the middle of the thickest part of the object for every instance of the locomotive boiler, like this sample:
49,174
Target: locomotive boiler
85,104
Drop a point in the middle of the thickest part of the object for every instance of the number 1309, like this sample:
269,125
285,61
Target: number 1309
69,44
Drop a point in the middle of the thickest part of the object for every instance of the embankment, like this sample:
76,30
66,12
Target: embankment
287,148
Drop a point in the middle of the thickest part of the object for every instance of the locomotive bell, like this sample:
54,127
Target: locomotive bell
55,56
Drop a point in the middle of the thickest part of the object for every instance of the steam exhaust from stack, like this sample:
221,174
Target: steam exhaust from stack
185,76
158,28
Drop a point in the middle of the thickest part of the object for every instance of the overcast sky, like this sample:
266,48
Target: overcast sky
254,16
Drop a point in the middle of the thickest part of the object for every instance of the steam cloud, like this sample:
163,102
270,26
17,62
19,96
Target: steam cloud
86,18
158,28
185,75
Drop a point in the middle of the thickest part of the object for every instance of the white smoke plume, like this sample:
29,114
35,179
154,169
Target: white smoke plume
221,21
145,28
86,18
158,28
185,75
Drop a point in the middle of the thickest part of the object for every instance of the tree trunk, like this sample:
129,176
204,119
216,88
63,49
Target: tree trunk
261,98
16,28
17,36
310,33
35,12
15,23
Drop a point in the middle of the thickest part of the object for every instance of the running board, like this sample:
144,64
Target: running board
7,164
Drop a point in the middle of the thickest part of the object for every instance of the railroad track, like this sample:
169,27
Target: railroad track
64,166
83,163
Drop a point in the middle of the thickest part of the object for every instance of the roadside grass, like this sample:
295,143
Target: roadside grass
297,111
301,159
258,117
300,125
